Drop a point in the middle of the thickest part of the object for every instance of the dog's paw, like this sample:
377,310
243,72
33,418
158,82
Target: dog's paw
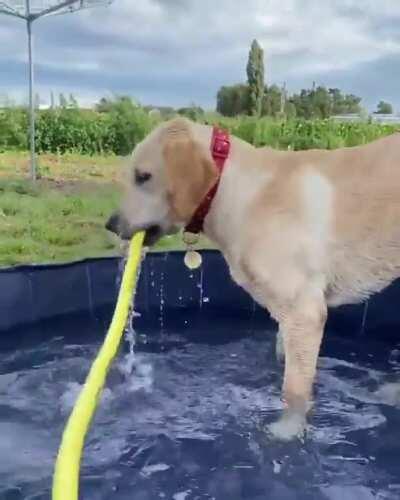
289,426
279,348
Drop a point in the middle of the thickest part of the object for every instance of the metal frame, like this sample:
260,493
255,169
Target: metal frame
24,10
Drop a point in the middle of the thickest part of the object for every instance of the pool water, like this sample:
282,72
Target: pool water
184,419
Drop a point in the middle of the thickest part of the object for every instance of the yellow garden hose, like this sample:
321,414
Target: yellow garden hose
66,474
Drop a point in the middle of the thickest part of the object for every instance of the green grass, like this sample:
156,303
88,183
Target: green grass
70,167
53,224
62,217
59,221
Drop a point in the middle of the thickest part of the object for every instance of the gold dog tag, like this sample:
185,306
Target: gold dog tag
192,259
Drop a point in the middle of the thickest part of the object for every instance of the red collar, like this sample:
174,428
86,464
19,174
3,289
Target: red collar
220,146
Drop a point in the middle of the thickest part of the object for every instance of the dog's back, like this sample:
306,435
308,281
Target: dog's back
364,248
346,203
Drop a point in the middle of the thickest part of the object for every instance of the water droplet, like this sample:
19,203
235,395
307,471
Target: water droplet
162,302
277,465
394,357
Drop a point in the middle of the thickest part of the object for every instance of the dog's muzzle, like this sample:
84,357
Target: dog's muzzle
113,223
117,225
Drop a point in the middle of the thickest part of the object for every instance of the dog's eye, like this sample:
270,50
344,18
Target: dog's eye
142,177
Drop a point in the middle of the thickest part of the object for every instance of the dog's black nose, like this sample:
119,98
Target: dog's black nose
113,223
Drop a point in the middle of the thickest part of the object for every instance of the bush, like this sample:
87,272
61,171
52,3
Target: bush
121,124
90,132
13,127
128,124
193,113
63,130
300,134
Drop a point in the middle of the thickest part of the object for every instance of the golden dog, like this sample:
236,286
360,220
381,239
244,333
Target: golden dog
300,230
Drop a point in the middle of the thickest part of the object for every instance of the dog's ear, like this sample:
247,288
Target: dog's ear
190,172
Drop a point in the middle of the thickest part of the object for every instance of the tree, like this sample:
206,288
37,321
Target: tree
255,78
192,112
129,122
233,100
73,103
104,105
384,108
337,98
257,99
352,103
344,104
290,109
271,102
63,101
303,104
321,103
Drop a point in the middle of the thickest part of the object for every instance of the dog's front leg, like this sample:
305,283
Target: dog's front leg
301,326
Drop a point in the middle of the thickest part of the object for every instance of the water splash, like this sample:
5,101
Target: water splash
121,267
130,337
137,372
394,358
162,300
181,495
71,393
200,285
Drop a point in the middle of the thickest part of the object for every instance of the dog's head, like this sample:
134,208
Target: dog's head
170,172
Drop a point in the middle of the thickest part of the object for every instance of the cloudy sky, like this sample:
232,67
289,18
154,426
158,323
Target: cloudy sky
177,52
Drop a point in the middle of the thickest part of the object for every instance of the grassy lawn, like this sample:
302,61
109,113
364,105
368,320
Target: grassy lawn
61,168
62,217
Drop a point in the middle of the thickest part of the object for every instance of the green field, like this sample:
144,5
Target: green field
90,132
62,217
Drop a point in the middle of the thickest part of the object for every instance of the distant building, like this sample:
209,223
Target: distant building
386,119
351,117
374,117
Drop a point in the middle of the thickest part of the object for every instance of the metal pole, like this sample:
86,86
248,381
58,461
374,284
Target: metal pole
31,101
55,6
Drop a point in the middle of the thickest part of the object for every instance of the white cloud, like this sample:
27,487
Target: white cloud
180,51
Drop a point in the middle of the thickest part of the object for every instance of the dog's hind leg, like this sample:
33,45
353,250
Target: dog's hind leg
295,298
302,326
279,347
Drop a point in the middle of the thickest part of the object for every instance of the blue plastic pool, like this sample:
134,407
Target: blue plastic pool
184,419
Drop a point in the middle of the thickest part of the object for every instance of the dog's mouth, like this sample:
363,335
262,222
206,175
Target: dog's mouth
152,235
119,226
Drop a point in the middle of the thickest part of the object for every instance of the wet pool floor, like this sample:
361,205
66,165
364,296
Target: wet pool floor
184,420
